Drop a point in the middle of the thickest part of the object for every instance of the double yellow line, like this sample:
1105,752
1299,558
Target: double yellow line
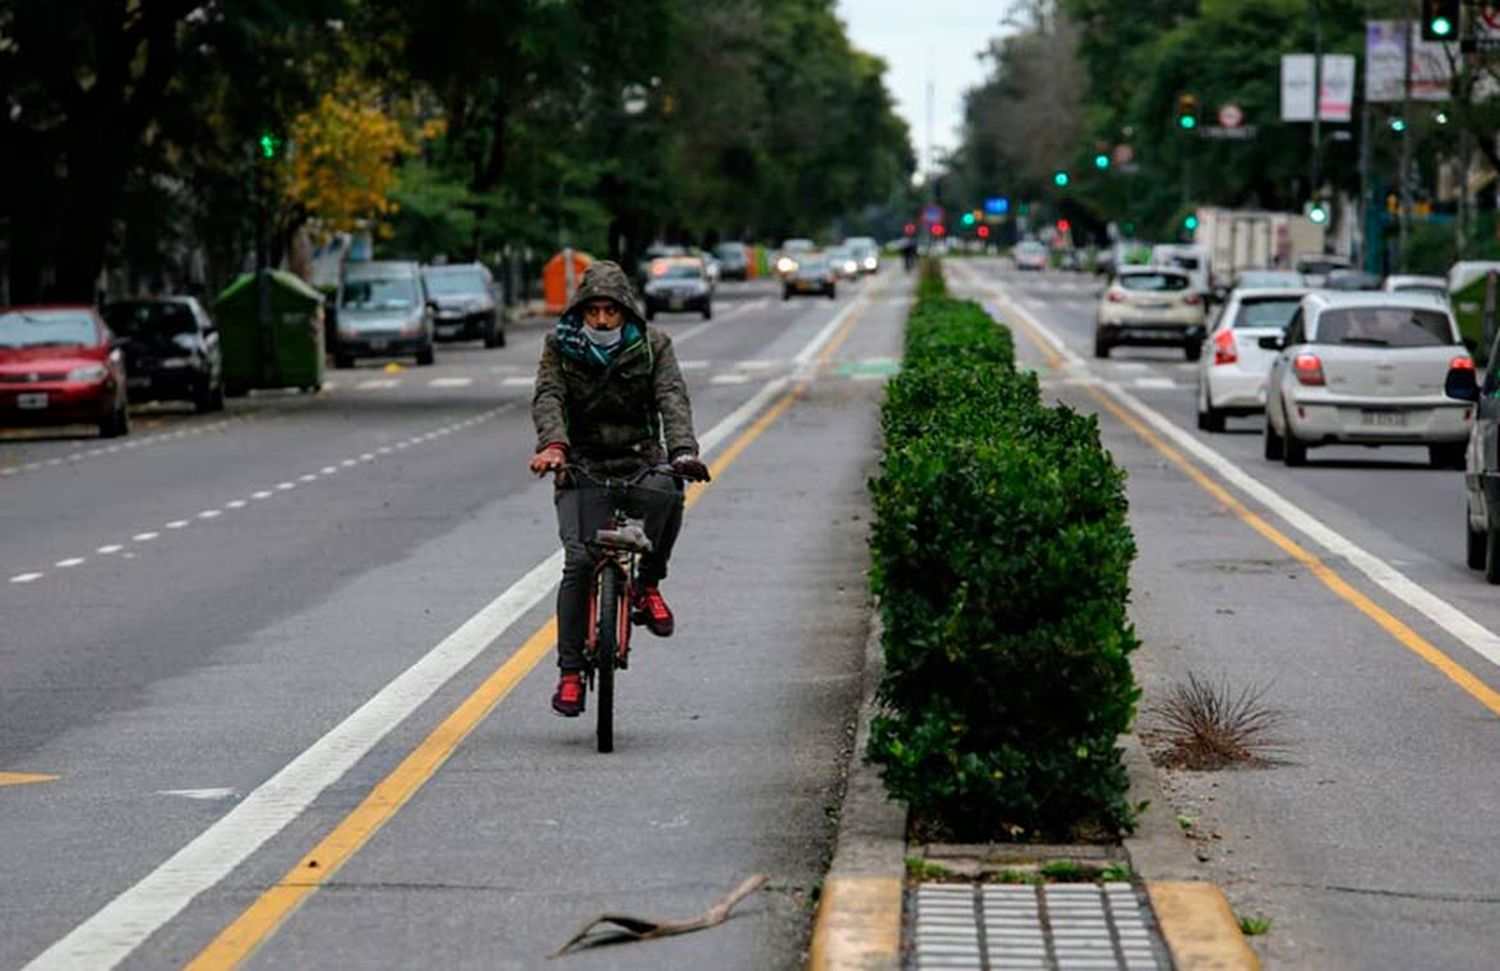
265,916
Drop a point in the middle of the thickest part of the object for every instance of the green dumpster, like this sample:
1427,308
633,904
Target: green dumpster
271,333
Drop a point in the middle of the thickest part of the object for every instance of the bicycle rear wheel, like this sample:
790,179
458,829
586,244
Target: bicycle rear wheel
606,627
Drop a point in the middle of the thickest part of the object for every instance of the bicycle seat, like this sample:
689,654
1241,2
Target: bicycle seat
630,536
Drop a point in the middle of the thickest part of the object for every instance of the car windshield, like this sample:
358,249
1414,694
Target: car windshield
393,294
797,245
676,271
47,328
1384,327
729,251
813,265
150,319
1266,312
1270,278
1154,281
471,284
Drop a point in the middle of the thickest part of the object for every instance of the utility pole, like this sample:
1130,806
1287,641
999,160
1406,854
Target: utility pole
1363,236
1406,120
1317,118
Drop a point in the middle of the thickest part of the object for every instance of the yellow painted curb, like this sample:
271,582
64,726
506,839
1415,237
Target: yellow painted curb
858,925
1200,929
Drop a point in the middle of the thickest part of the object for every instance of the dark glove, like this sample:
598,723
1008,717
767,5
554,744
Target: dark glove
691,468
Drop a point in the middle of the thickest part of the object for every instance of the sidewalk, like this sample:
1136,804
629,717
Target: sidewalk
969,909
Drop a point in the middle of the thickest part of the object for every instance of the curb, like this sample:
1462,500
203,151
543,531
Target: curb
858,925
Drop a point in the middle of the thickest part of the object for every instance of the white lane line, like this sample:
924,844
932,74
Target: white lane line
349,462
309,477
235,504
694,365
262,494
1153,383
1128,366
518,382
284,486
327,470
729,379
177,524
210,514
376,384
1463,628
107,550
26,577
113,932
450,382
144,537
69,562
756,365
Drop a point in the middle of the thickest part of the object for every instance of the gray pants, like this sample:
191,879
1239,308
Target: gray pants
581,511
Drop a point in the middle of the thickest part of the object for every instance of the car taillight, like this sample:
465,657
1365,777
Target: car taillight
1463,363
1193,299
1115,296
1225,351
1309,369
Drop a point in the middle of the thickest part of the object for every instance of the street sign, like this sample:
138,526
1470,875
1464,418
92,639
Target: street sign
932,213
997,205
1243,133
1230,116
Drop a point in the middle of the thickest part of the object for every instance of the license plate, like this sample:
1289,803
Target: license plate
35,401
1153,306
675,304
448,331
379,345
1383,419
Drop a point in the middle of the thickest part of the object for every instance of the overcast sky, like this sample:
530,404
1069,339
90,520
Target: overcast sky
922,39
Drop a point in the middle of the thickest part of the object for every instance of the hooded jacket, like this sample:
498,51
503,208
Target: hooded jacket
614,417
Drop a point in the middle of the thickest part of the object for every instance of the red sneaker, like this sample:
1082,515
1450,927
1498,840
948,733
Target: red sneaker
567,700
650,609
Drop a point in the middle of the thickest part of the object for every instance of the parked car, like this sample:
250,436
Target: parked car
1366,368
734,261
1150,305
813,274
1315,267
678,283
1481,465
58,366
171,350
383,311
1029,255
1401,283
466,301
1350,279
1232,369
866,253
1268,278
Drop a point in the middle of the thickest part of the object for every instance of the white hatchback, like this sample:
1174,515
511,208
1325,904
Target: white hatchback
1367,368
1151,305
1232,370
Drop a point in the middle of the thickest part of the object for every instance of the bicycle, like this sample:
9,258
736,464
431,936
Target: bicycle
617,548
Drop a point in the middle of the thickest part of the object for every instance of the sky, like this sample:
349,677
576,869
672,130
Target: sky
918,38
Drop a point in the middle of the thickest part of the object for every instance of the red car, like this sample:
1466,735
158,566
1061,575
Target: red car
58,367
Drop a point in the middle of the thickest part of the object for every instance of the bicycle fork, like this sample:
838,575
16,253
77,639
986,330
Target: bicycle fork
623,589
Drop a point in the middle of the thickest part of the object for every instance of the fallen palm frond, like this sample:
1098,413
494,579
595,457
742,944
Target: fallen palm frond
629,928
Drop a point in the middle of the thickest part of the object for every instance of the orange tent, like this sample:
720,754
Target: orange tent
557,287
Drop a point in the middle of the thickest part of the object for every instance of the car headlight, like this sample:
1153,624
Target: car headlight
91,372
786,265
870,262
177,362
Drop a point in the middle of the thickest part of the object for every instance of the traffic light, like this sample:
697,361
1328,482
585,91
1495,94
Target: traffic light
1440,19
1060,179
910,229
1318,213
1063,226
1190,222
1187,111
270,143
1398,124
967,219
1101,161
938,229
984,232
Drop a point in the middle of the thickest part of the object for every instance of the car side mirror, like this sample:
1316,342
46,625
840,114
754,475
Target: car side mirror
1272,343
1461,384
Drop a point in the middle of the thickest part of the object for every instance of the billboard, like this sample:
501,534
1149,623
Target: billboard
1335,101
1385,63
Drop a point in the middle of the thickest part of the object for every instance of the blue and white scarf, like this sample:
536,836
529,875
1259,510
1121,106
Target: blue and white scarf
574,343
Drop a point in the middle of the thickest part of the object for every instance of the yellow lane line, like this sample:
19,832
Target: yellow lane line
23,778
265,916
1199,927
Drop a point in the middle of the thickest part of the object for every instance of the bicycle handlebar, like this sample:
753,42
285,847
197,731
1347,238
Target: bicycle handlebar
614,482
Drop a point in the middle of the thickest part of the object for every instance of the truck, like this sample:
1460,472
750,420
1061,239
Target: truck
1246,239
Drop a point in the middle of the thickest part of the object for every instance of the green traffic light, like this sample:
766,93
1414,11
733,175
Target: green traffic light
1101,161
968,219
1441,26
1190,222
1188,122
1060,179
1318,215
269,143
1398,125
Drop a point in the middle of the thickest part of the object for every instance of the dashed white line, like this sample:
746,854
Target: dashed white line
450,382
377,384
309,477
262,494
69,562
518,382
284,486
348,462
144,537
729,379
177,524
210,514
236,504
111,548
26,577
328,470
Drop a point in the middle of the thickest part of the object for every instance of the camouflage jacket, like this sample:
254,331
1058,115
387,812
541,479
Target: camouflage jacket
612,418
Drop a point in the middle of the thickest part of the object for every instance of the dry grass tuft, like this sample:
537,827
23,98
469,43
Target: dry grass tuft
1206,725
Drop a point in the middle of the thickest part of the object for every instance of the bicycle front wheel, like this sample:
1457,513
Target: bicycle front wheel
606,640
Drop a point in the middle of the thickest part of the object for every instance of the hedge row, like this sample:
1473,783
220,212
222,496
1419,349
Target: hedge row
1001,559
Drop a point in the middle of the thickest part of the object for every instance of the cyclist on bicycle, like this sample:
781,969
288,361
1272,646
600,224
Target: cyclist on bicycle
610,399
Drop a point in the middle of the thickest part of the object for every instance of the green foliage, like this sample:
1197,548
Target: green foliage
1254,926
1001,558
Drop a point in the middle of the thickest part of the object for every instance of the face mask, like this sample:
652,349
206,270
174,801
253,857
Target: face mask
600,337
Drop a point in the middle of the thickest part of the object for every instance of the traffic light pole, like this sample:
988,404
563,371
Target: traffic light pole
1405,176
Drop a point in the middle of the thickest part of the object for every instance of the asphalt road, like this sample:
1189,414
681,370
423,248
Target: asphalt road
224,635
1371,844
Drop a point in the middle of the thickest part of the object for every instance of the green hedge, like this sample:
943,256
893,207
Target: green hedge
1001,559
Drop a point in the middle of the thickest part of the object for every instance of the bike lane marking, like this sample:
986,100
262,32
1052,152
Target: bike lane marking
1137,416
113,932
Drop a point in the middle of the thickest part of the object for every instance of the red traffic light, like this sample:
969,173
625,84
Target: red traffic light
910,229
938,229
984,232
1063,225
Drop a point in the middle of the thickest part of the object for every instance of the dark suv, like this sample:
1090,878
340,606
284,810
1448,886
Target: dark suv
171,350
467,301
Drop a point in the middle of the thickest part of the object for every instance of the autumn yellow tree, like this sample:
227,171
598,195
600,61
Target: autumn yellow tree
343,159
